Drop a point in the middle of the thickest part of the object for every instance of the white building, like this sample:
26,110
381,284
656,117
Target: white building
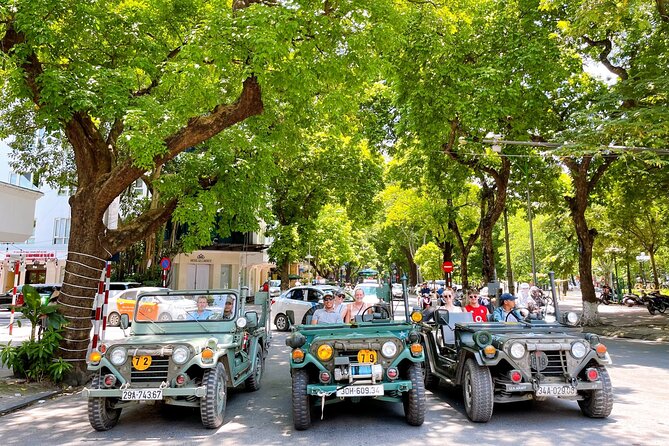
228,264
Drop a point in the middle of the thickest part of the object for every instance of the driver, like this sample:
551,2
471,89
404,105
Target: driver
506,312
328,314
202,312
228,308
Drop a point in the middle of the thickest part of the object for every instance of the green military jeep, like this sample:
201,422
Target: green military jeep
373,357
189,359
503,362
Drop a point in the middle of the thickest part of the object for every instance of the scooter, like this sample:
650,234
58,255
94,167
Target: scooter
631,299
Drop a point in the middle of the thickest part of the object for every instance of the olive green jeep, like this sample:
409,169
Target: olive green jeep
373,357
189,359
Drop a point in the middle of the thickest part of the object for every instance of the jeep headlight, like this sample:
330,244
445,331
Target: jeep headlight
324,352
180,354
578,349
571,318
389,349
118,356
517,350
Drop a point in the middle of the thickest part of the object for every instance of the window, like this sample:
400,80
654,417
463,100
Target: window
61,231
137,188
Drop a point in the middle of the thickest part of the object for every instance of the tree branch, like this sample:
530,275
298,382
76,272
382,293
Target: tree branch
140,227
597,175
604,56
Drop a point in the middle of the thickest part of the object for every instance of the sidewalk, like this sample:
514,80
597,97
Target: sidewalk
620,321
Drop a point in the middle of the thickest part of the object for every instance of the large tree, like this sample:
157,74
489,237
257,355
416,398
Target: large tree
128,87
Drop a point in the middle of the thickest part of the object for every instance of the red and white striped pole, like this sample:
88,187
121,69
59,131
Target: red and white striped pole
14,293
105,304
97,306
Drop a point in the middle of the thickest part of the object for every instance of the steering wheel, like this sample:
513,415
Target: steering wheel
511,313
385,314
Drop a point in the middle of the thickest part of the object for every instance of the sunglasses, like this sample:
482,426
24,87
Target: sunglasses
473,297
328,298
228,303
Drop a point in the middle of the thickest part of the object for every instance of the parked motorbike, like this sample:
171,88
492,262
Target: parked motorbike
631,299
655,302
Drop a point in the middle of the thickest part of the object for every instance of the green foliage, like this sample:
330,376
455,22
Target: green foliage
34,360
429,258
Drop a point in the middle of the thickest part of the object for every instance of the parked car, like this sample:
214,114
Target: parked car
116,287
372,292
397,291
274,288
301,300
45,290
123,302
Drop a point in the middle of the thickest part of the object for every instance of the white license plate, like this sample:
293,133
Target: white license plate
142,394
352,391
559,390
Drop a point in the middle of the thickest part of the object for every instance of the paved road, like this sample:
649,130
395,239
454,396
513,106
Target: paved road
640,415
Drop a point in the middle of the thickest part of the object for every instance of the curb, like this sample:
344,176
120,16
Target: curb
20,402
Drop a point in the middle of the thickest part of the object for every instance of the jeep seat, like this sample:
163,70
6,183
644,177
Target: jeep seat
448,329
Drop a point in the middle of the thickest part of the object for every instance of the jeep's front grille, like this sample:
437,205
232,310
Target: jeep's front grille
554,364
155,374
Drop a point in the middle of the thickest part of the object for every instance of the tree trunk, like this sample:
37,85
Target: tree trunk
85,264
413,270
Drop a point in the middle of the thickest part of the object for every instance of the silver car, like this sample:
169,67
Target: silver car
299,299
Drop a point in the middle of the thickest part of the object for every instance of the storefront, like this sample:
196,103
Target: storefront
34,267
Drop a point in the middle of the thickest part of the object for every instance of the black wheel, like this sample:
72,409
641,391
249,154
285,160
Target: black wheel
101,411
662,307
164,317
281,322
253,381
414,399
477,391
301,401
598,403
430,380
651,308
114,319
212,404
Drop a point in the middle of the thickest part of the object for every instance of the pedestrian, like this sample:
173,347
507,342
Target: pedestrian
479,312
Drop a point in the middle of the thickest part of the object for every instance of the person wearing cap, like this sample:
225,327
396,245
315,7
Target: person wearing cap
228,308
327,314
506,312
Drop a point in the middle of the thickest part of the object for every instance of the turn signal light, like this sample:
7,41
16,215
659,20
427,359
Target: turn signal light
109,380
102,348
416,317
298,355
600,349
515,376
207,353
324,377
95,356
416,349
392,373
489,351
180,379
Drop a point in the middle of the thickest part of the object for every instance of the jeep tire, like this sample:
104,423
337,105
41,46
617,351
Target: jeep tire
281,322
477,392
598,403
253,381
431,380
101,412
414,399
301,400
212,404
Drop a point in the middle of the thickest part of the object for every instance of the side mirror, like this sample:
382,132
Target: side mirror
252,318
125,321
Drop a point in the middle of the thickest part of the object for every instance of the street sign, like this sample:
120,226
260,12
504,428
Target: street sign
165,263
447,267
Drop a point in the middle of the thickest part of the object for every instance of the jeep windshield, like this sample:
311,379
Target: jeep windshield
174,307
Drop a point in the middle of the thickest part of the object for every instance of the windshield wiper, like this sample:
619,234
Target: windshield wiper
139,312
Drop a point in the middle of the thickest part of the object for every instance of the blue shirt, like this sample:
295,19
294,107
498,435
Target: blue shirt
195,316
499,315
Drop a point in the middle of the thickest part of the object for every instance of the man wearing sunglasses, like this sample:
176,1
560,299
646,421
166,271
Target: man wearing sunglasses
479,312
327,314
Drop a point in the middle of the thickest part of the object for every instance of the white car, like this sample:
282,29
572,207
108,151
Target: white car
274,288
300,300
372,292
397,290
